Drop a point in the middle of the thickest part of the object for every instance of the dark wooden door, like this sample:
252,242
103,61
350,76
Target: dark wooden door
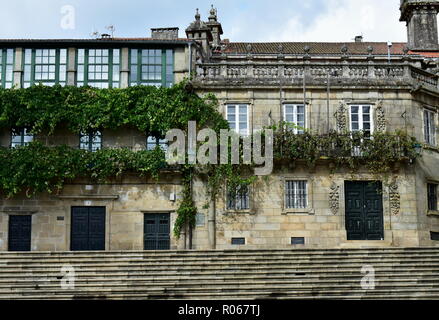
20,229
364,210
88,228
157,231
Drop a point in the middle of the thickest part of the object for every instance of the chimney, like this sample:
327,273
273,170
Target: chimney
359,39
421,19
164,33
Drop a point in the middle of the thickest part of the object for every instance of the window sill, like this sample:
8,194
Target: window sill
309,211
433,213
430,147
249,212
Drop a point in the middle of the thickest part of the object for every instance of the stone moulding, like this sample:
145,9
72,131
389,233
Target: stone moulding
381,123
395,199
89,197
334,199
341,118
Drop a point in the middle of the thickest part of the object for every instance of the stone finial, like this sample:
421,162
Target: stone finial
370,50
307,49
249,48
280,48
344,49
197,15
405,50
213,12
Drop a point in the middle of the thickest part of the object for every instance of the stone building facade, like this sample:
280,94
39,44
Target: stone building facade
369,86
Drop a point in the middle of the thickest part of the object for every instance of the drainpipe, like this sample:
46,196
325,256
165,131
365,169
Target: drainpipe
211,223
190,59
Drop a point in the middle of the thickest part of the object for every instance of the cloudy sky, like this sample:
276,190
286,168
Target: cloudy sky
242,20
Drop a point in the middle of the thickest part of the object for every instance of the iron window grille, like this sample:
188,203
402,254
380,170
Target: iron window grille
152,67
295,114
429,127
45,66
21,137
238,199
90,141
7,59
296,194
99,68
432,196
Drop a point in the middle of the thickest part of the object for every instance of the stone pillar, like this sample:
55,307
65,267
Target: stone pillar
71,67
18,68
125,69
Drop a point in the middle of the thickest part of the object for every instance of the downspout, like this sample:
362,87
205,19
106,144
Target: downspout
190,59
211,229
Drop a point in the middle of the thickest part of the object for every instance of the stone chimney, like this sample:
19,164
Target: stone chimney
421,19
164,33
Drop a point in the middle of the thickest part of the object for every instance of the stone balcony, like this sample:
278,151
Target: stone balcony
223,74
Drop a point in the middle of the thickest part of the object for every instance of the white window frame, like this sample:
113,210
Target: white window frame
237,122
431,138
360,117
295,113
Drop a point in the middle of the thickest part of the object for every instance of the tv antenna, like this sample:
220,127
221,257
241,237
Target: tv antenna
112,29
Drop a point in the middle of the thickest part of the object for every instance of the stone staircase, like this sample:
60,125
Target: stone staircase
400,273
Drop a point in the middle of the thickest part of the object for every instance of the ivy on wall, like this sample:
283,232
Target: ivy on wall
38,168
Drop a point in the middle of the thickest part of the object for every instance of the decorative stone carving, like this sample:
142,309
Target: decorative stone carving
334,198
395,198
381,123
341,118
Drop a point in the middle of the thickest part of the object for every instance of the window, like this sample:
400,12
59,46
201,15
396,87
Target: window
238,200
434,236
7,67
237,116
361,119
152,67
432,196
20,137
296,194
45,66
429,127
91,141
295,114
157,140
99,68
238,241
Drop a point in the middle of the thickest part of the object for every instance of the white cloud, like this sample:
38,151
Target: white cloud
376,20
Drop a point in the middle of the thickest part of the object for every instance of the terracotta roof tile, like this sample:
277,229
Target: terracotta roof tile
325,48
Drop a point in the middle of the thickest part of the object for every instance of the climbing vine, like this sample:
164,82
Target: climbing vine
39,168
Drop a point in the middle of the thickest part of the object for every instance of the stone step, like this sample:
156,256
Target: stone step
383,251
219,283
280,259
250,293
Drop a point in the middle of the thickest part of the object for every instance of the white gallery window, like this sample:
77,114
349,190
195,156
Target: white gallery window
361,119
295,114
296,194
237,116
429,127
20,137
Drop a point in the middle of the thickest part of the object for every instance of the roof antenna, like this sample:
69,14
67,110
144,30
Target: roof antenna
95,34
112,29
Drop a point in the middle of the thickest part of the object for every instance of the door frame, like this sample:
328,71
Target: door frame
106,225
383,207
170,225
9,231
